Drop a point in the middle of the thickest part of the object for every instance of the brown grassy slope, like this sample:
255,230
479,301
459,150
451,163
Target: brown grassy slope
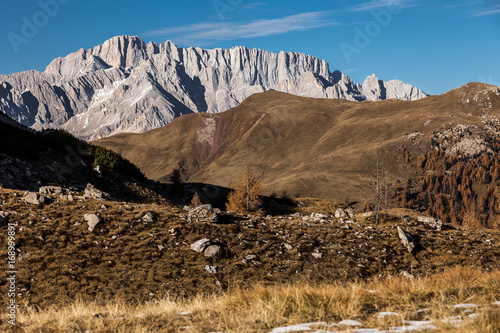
312,147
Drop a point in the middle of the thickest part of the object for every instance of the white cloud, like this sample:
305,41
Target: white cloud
377,4
216,31
487,11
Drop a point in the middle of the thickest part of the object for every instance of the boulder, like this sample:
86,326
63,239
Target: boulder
340,213
35,198
200,245
212,251
406,240
204,214
431,222
92,220
350,212
92,192
50,190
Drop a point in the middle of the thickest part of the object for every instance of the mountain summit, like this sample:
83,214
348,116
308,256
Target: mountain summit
126,85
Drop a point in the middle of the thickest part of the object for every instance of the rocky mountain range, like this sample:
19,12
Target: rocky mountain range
127,85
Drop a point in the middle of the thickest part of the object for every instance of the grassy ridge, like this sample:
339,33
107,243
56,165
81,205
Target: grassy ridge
319,148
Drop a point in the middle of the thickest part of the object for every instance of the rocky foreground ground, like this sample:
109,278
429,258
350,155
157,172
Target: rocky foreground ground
72,246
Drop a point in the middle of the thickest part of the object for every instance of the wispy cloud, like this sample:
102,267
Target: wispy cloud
462,4
217,31
378,4
487,11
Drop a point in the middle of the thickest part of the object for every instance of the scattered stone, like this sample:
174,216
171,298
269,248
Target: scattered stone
35,198
317,217
186,208
50,190
200,245
350,323
299,215
340,213
406,240
211,269
317,255
431,222
368,214
160,247
212,251
407,275
203,214
350,212
92,192
387,314
287,246
149,217
92,220
250,257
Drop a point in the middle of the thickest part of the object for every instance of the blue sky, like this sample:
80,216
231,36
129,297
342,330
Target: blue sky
434,45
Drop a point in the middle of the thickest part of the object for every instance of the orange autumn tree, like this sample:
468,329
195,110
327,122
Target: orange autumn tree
246,196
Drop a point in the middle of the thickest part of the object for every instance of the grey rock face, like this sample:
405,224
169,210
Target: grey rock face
406,240
204,214
92,220
126,85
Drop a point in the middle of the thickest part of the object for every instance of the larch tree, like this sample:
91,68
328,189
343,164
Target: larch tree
247,195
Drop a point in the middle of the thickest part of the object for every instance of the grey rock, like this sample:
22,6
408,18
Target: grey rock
340,213
50,190
250,257
212,251
92,220
149,217
406,239
200,245
126,85
35,198
317,217
204,214
431,222
92,192
211,269
317,255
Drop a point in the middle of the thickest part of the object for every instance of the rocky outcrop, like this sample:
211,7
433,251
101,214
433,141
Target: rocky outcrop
406,240
126,85
203,214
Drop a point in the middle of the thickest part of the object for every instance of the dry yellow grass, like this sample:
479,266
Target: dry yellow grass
262,308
